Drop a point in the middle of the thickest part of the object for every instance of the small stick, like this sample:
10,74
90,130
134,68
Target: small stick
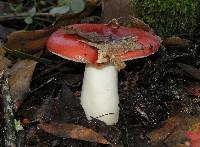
24,55
22,16
10,136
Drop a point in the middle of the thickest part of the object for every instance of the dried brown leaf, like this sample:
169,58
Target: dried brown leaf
177,42
109,51
20,79
90,36
172,131
73,131
4,63
115,9
28,41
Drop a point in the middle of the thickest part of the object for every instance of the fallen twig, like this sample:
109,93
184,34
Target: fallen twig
10,137
42,85
26,56
22,16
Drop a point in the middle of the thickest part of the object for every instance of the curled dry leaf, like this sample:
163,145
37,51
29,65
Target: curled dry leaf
28,41
73,131
20,79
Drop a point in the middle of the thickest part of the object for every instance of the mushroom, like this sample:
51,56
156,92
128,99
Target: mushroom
85,43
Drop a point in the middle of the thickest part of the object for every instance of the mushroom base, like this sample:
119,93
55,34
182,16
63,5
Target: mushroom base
99,96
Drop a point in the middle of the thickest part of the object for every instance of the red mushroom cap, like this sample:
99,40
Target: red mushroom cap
70,47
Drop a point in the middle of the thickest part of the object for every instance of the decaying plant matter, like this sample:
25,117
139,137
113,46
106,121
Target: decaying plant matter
109,48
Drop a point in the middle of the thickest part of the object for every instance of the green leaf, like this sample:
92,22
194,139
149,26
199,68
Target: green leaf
28,20
32,12
59,10
77,6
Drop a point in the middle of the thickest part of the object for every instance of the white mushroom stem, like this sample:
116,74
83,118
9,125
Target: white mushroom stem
99,96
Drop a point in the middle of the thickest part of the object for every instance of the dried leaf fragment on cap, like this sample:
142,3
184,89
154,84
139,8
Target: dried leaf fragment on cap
109,51
108,47
90,36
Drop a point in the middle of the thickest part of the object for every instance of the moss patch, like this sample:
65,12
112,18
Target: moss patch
169,16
